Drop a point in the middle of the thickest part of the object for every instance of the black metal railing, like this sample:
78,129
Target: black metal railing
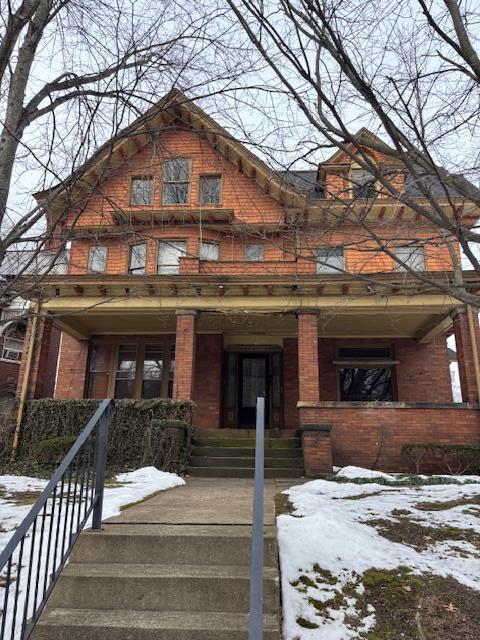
32,561
255,619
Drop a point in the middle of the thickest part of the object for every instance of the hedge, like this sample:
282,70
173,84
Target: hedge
49,426
454,459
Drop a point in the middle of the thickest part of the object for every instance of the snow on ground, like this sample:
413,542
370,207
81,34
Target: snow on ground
128,488
327,532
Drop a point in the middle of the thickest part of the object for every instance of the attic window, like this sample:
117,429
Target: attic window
142,191
363,184
176,179
209,187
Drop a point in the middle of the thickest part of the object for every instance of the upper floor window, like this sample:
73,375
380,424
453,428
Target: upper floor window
362,184
97,259
137,259
209,251
412,256
254,252
142,191
330,260
209,187
176,178
169,254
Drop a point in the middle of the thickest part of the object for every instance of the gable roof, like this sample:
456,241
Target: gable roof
175,106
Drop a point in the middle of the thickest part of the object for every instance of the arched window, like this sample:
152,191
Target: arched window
13,339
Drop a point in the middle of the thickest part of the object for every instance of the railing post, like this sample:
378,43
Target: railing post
255,622
100,466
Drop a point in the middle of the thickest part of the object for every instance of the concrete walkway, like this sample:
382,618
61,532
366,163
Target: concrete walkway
205,501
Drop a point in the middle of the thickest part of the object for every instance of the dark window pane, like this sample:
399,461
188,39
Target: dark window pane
175,192
330,260
138,258
210,189
142,191
176,170
363,184
99,376
126,369
359,352
254,252
171,371
366,385
152,371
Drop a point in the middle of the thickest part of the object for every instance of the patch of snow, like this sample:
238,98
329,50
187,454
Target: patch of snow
329,528
133,487
352,473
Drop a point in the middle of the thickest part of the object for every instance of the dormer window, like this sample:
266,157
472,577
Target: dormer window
176,180
412,256
362,184
142,191
209,187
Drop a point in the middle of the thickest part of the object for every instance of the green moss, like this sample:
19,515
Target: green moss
306,624
325,577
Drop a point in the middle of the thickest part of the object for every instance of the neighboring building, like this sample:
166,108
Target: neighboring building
13,326
198,273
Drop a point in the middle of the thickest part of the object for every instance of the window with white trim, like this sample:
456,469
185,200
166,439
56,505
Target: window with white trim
362,184
13,339
141,191
176,180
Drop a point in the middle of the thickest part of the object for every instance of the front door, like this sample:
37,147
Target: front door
249,375
253,376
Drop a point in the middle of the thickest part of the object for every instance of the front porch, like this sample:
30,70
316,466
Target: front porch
375,369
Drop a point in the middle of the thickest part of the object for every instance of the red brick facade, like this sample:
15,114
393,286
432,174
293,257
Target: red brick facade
185,348
41,382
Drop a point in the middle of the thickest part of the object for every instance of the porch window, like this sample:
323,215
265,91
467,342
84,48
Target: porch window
126,370
254,252
171,371
152,371
97,259
363,184
141,191
209,187
330,260
99,373
366,374
176,179
412,256
169,254
137,259
209,251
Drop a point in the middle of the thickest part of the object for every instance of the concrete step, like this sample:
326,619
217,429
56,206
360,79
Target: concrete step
81,624
172,544
239,472
245,462
160,587
235,452
246,443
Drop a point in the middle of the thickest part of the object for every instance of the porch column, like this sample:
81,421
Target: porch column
465,327
38,359
185,343
308,370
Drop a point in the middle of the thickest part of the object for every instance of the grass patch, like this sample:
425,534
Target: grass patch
283,506
420,536
19,497
402,481
449,504
415,607
307,624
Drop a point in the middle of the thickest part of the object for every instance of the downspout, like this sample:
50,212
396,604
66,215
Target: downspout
24,389
473,340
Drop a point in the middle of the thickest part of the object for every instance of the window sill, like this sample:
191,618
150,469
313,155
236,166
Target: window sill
10,361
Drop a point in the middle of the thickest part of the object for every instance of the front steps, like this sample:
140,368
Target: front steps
230,453
160,582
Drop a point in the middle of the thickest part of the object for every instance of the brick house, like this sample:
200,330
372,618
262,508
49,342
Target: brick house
196,272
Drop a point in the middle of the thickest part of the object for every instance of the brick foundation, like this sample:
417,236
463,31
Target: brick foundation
369,435
317,449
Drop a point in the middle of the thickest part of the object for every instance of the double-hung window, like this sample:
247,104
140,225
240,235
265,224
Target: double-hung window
209,251
365,374
169,254
330,260
209,187
137,259
176,180
141,191
362,184
97,259
412,256
13,339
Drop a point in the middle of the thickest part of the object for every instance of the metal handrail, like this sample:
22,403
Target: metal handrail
32,561
255,620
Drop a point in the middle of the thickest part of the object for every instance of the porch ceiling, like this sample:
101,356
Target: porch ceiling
421,325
